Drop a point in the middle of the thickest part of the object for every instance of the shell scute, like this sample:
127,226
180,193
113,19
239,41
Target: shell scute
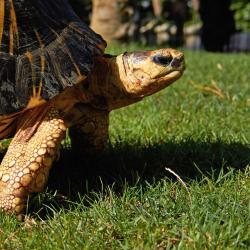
44,48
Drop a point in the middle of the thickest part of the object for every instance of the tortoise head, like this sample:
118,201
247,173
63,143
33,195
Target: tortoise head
144,73
128,77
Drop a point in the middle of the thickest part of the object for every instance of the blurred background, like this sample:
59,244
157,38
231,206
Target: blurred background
212,25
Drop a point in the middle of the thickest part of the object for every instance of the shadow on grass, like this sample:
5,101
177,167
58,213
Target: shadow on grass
77,173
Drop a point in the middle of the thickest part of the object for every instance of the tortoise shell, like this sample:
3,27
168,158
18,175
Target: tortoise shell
44,47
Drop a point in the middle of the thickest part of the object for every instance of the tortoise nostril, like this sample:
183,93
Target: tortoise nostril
162,60
176,62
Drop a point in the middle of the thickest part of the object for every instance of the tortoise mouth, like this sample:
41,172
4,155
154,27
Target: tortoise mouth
175,74
169,71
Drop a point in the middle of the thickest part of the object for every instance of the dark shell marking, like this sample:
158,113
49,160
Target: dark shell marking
40,44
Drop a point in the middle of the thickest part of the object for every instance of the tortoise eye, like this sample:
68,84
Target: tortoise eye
162,60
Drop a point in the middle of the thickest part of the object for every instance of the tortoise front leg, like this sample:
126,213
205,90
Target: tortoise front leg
90,134
25,167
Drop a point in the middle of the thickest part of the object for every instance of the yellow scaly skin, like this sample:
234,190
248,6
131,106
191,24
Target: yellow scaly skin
25,168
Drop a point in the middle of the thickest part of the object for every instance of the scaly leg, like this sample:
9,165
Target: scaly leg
25,167
90,135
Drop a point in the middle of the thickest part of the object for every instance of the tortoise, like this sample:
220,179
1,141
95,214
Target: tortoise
54,75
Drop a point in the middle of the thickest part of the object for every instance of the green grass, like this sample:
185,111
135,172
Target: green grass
125,199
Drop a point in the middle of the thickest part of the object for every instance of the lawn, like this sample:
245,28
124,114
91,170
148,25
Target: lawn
126,199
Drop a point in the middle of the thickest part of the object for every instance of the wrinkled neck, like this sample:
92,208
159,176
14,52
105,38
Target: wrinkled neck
108,80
